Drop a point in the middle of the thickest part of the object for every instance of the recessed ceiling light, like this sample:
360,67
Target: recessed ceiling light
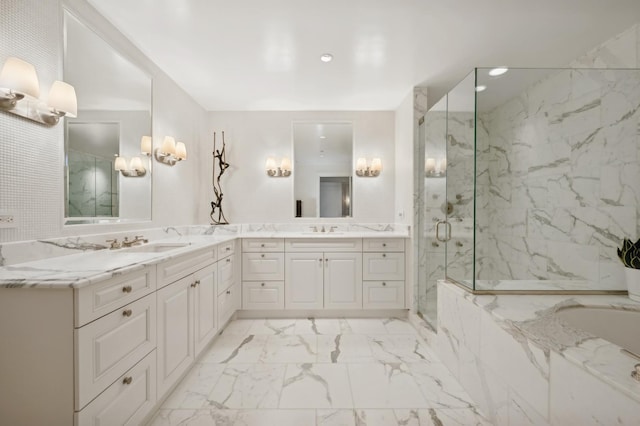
498,71
326,57
481,88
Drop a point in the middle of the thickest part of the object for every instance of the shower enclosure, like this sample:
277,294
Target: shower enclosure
542,182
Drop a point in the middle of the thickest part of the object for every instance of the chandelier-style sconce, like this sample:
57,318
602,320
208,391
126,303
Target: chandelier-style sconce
20,92
284,170
170,152
365,170
133,169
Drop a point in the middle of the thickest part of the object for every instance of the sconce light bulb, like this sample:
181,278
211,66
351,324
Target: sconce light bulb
120,163
62,99
361,164
20,77
168,146
145,145
181,151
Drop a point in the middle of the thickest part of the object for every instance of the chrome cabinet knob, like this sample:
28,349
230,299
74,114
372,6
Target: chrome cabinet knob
384,244
126,289
262,285
127,312
384,284
384,255
127,380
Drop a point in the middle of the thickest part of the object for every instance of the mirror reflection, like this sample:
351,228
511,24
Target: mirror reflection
114,113
323,169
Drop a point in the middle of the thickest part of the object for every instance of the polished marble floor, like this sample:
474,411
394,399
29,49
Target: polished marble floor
318,372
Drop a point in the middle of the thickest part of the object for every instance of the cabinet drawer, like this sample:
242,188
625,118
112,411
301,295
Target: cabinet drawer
226,274
263,266
383,294
111,345
127,401
226,249
263,295
383,244
328,244
262,244
172,270
228,302
383,266
97,300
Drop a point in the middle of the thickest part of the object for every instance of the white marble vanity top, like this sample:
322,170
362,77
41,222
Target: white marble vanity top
75,262
533,319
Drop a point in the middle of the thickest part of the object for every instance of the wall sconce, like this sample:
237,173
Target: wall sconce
146,144
435,169
364,170
171,152
20,90
274,171
135,169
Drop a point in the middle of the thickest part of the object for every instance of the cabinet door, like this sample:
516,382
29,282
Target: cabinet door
205,321
343,280
383,294
263,295
226,274
175,332
228,303
303,281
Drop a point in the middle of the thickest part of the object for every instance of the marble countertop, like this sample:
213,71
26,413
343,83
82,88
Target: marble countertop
87,268
533,318
95,263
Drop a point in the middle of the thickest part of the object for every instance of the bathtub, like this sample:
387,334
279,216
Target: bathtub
618,326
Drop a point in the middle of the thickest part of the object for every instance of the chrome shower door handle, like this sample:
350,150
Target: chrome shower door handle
447,234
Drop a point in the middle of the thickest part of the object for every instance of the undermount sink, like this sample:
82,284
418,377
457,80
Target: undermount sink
157,247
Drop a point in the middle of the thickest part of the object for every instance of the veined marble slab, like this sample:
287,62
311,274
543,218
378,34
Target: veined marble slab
80,261
532,322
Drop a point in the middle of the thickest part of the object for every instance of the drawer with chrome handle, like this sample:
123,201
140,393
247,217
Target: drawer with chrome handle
109,346
97,300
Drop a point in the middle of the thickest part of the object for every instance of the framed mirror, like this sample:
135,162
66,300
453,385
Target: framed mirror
114,113
323,173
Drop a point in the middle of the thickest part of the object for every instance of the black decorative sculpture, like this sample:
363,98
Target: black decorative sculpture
221,157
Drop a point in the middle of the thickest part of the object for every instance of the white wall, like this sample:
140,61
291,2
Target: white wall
404,131
252,196
31,158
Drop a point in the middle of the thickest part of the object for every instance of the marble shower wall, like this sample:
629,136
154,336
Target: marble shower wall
559,178
93,188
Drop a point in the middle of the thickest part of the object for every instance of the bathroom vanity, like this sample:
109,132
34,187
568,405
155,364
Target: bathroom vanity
117,329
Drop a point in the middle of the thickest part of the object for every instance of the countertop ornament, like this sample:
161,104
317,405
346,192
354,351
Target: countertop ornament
220,157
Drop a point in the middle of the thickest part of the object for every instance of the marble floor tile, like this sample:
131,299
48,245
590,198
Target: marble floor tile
367,325
316,386
195,388
273,326
335,418
374,417
182,417
295,348
388,385
400,348
344,348
276,418
235,348
398,326
440,417
318,326
239,326
248,386
439,387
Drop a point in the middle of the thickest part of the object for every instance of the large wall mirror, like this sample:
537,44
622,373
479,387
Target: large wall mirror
114,113
323,154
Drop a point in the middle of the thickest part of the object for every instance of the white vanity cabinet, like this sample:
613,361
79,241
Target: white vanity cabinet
323,274
188,316
228,288
383,273
263,273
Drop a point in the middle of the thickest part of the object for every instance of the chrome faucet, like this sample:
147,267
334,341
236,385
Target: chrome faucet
137,240
323,230
114,244
333,228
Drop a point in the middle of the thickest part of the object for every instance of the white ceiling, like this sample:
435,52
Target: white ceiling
264,55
